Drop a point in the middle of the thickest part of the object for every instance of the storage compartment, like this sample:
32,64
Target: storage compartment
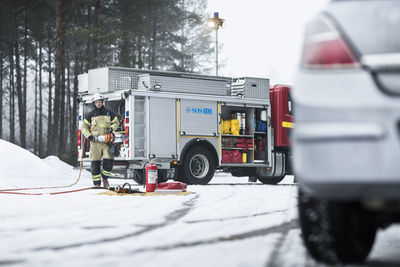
190,85
250,87
232,156
260,135
83,83
139,127
250,139
111,79
237,134
198,118
162,125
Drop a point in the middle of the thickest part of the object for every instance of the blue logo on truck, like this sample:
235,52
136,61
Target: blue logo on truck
205,111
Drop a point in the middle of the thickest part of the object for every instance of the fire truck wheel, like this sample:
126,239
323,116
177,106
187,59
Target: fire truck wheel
198,166
335,232
139,176
270,179
162,176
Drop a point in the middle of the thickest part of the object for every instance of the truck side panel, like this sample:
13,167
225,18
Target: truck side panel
139,133
163,127
198,118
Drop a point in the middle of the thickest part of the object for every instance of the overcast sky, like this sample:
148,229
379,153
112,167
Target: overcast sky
263,38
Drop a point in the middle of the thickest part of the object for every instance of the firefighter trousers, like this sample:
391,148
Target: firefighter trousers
98,153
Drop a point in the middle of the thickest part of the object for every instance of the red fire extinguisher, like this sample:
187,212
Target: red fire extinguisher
151,177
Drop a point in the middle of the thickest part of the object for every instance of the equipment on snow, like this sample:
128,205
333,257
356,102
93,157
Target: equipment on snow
151,177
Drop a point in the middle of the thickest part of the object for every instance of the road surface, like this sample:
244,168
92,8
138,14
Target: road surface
228,223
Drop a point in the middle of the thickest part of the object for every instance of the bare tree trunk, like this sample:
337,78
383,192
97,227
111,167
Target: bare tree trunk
153,45
140,59
50,129
76,73
68,115
89,25
124,51
134,56
183,37
62,135
22,117
19,89
58,73
1,94
96,19
35,143
12,101
40,102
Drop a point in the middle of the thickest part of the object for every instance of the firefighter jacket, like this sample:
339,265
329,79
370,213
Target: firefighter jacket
99,121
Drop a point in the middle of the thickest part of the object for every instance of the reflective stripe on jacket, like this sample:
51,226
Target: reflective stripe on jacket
98,121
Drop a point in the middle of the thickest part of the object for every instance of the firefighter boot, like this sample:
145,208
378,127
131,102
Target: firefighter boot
105,183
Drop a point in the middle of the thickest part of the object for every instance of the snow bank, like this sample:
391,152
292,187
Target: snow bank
19,167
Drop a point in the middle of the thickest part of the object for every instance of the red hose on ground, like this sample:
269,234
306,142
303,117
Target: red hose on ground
12,190
39,194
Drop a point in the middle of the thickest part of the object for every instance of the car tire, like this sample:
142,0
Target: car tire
270,179
335,232
198,167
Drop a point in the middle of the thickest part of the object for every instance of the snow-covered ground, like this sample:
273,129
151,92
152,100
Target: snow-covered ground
228,223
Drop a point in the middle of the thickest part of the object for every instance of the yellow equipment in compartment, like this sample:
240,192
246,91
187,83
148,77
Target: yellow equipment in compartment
230,127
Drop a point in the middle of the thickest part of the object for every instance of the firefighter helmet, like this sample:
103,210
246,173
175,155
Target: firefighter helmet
96,97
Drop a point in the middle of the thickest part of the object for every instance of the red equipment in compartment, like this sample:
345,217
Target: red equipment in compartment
231,156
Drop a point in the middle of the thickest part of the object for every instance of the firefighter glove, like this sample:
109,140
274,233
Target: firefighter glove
91,138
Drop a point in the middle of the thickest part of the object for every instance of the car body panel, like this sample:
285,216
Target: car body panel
346,133
371,26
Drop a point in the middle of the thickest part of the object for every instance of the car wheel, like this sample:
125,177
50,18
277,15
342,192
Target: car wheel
335,232
198,166
270,179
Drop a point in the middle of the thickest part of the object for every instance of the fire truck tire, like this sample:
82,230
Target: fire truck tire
162,176
335,232
198,166
270,179
139,176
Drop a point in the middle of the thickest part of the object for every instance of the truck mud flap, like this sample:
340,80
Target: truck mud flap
278,166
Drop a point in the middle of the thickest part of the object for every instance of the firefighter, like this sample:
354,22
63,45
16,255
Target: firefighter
100,121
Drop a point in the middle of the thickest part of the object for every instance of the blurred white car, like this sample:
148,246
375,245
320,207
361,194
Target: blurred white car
346,141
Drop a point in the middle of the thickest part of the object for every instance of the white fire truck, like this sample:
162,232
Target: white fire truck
192,125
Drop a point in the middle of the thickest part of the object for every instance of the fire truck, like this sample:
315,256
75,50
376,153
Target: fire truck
191,125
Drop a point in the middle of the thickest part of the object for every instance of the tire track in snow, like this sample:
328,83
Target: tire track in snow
170,219
230,195
274,258
252,184
284,227
237,217
285,246
10,262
